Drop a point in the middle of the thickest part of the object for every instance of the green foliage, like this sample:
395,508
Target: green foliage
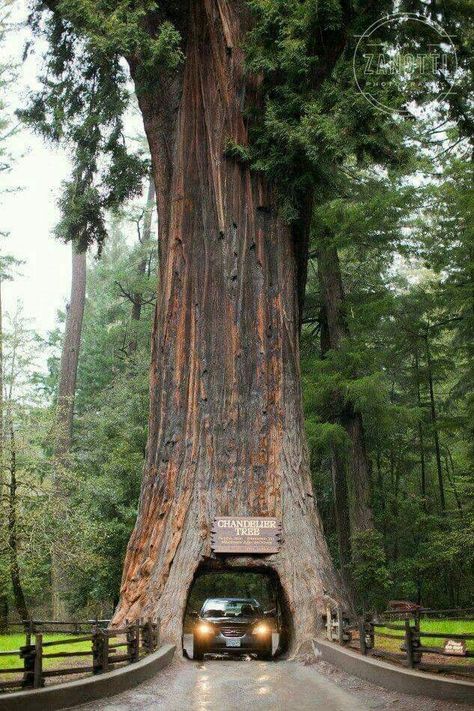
27,426
82,102
103,472
369,569
405,258
7,77
112,412
312,121
238,153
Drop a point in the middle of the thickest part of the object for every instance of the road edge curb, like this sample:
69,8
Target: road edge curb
89,689
392,677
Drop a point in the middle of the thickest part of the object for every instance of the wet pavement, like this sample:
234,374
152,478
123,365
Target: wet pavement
226,685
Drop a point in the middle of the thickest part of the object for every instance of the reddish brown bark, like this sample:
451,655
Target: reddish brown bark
64,423
226,427
351,475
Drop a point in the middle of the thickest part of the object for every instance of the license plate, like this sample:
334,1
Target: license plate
232,643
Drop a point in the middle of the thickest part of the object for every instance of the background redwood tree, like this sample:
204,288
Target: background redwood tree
64,430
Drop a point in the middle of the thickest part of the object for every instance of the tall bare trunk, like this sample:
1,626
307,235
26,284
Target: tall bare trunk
355,472
339,477
137,298
421,443
18,594
434,423
64,424
3,582
226,431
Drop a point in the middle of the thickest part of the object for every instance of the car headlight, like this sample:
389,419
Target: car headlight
262,629
204,629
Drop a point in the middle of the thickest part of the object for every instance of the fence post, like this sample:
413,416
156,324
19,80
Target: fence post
133,642
328,623
371,632
27,653
417,620
362,640
29,629
100,651
105,651
96,642
416,640
409,644
38,681
150,635
340,625
146,636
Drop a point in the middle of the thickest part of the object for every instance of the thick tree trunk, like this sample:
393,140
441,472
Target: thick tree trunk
355,471
226,429
64,422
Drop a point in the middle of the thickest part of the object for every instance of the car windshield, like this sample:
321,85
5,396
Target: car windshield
231,608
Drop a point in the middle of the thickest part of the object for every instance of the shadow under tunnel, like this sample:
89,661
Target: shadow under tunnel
236,612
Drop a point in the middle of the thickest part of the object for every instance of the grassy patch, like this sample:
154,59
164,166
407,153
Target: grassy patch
444,627
15,641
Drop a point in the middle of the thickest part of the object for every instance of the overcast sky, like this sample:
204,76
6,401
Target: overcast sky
30,213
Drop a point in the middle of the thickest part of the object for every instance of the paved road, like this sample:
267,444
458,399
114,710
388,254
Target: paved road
225,685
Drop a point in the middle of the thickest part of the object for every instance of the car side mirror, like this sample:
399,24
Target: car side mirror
194,614
270,613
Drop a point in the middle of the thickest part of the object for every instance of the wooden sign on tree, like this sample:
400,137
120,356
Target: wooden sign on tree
246,534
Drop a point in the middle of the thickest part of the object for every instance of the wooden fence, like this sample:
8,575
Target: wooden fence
109,647
414,643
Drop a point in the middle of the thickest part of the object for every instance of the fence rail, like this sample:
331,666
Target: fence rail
414,643
141,638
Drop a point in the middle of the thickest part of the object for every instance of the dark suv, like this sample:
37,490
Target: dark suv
232,626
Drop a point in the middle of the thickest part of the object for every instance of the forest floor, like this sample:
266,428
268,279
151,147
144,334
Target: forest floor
214,685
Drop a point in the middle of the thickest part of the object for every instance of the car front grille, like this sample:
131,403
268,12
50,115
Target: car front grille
232,631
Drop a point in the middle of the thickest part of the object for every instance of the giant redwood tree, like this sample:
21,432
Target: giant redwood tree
236,98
